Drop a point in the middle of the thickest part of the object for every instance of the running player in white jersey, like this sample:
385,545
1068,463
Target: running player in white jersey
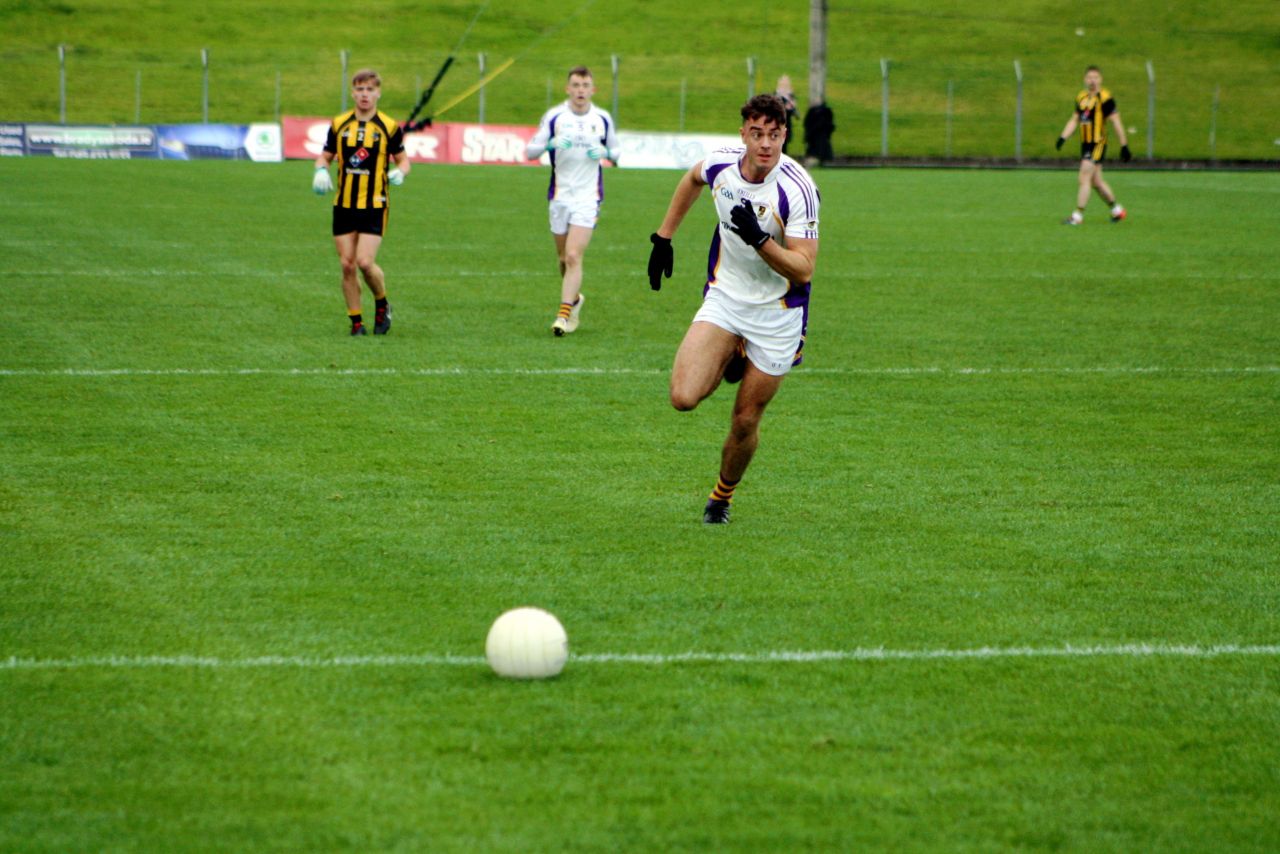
578,136
755,308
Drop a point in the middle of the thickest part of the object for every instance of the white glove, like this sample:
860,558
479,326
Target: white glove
322,183
395,176
596,152
561,142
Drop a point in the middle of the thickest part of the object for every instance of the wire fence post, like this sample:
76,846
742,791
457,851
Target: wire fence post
1213,125
950,101
684,87
62,83
884,107
204,88
480,104
614,62
751,77
1151,111
344,55
1017,122
137,97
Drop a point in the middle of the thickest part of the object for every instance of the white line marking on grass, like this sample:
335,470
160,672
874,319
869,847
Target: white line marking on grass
160,272
1119,370
132,662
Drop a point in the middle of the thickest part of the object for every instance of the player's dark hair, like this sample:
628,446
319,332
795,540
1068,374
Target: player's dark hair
579,71
1093,68
769,107
366,74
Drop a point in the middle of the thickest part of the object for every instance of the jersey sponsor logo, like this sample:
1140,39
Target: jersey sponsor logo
358,157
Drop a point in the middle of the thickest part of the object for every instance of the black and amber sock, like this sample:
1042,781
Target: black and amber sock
380,304
565,309
724,490
356,318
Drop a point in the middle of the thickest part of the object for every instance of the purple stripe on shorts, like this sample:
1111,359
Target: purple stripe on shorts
797,296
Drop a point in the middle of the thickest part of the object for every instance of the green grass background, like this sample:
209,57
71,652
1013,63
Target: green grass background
1197,47
1071,499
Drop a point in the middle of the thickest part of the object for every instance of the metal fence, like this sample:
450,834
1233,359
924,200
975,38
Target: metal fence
884,107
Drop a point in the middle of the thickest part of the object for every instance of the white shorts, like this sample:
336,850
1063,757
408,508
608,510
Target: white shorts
565,214
774,335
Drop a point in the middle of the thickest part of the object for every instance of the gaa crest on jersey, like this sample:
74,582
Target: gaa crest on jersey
760,211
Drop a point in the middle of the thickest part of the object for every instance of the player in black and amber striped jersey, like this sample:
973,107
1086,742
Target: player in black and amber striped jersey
365,143
1094,108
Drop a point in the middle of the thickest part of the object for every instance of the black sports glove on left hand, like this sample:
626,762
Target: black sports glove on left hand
1058,145
661,259
746,226
1125,154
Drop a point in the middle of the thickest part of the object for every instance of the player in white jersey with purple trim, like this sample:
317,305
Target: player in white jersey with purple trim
578,136
755,308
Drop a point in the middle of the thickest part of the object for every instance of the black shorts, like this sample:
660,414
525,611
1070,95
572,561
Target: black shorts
1093,151
361,220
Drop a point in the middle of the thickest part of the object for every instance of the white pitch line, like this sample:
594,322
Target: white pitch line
161,272
196,662
1119,370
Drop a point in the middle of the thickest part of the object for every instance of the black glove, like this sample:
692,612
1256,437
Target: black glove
1058,145
661,259
1125,154
746,226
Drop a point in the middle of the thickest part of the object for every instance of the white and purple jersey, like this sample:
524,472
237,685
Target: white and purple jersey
786,205
575,177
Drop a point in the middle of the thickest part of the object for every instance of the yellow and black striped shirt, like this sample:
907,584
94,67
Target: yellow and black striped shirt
1093,110
363,150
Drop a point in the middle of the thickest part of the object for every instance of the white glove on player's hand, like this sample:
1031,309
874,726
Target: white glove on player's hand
561,142
395,176
597,152
322,183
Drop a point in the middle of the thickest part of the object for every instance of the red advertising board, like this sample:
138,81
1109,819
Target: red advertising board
441,143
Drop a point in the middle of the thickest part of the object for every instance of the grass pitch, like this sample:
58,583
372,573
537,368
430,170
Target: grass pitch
1007,435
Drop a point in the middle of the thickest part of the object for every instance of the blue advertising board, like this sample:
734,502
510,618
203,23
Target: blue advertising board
258,142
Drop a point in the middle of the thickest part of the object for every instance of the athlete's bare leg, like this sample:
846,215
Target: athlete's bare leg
1103,188
346,245
1087,170
366,259
571,247
700,362
757,389
560,242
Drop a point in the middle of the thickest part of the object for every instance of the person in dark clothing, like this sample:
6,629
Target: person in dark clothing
819,125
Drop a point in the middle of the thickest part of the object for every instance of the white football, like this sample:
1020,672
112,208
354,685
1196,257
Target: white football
527,643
